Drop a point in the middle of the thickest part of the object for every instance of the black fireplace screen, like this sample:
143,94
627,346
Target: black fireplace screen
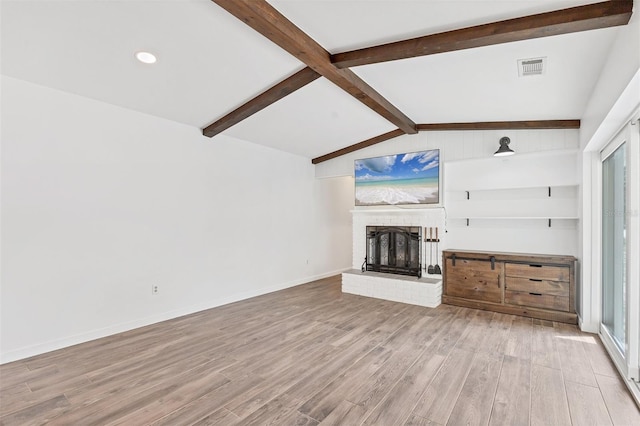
393,249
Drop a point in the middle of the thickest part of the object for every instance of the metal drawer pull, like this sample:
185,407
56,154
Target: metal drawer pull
533,279
536,266
453,260
493,263
536,294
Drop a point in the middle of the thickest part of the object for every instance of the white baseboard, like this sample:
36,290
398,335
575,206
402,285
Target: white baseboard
56,344
587,327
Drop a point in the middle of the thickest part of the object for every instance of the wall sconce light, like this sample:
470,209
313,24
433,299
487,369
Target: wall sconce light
504,149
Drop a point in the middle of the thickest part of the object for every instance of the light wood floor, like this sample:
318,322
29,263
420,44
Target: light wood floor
310,355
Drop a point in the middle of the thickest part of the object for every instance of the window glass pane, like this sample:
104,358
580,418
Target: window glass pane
614,262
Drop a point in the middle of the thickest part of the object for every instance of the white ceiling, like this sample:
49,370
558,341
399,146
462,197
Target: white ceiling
209,63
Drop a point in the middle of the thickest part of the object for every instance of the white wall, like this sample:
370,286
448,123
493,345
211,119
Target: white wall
511,200
473,151
614,98
621,66
99,203
455,146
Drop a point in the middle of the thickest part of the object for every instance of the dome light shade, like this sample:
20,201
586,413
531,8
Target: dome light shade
504,149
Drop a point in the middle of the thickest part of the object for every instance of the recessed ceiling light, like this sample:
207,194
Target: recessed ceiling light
146,57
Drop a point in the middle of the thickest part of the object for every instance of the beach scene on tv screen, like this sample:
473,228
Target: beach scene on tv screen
410,178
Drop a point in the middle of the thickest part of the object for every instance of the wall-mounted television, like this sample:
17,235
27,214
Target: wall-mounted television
410,178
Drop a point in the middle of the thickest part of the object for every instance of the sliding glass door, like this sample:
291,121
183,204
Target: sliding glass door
614,246
620,252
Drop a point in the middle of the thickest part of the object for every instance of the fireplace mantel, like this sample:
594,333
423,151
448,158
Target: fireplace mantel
400,210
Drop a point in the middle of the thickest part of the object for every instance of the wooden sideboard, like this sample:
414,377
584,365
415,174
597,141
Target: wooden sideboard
532,285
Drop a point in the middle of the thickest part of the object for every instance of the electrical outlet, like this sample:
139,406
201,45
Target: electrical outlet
154,289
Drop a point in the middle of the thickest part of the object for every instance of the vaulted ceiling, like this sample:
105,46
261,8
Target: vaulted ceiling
275,73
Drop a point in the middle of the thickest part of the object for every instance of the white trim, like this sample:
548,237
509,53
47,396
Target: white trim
619,139
53,345
591,243
627,364
614,352
617,116
585,316
596,240
633,387
398,210
633,247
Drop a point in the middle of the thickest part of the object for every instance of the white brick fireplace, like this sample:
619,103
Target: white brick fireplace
425,291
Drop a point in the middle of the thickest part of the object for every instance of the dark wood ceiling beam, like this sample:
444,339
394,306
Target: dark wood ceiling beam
484,125
263,18
272,95
581,18
360,145
503,125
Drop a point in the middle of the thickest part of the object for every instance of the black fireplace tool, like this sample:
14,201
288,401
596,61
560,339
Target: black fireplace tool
437,267
424,255
431,269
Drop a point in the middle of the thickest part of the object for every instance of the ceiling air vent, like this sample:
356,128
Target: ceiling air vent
533,66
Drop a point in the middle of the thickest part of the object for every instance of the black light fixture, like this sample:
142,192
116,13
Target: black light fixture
504,149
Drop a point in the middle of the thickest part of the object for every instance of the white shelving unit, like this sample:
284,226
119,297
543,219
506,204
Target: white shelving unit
549,203
523,203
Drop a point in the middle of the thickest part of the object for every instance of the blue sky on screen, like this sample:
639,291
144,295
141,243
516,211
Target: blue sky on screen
422,164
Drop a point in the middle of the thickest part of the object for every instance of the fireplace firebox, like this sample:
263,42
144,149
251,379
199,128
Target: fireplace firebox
393,249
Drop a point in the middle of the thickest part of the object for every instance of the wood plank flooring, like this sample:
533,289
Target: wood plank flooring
311,355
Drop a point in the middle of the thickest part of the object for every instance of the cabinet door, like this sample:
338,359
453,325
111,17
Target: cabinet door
473,279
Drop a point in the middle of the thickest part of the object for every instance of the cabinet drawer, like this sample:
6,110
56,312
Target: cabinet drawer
537,271
536,285
473,279
536,300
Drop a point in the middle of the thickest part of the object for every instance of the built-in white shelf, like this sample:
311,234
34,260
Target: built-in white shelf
523,203
516,217
520,203
493,222
509,188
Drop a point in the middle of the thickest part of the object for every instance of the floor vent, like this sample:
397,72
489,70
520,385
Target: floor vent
533,66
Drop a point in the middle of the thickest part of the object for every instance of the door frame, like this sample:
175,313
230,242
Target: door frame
629,366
